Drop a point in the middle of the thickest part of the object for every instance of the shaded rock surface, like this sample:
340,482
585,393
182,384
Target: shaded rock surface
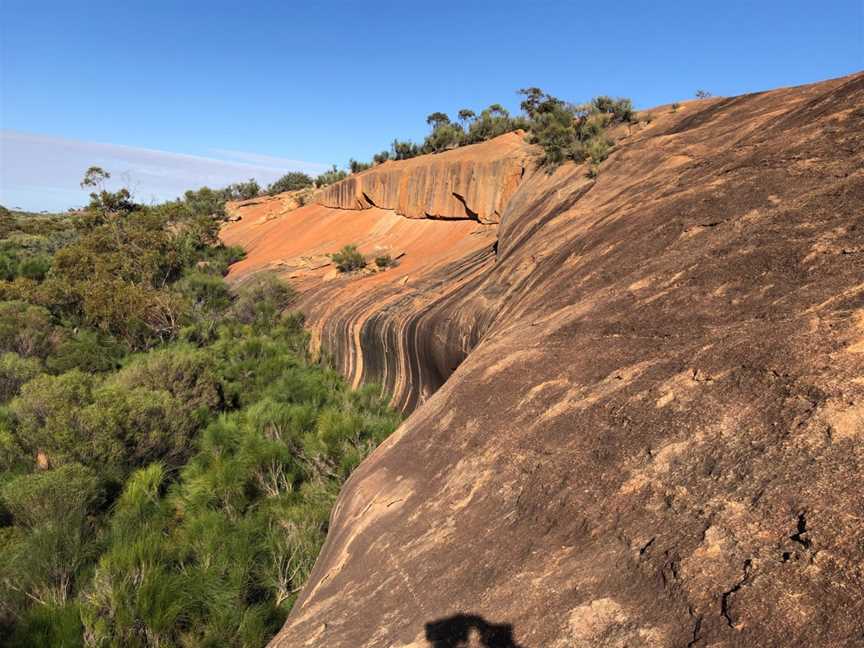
638,419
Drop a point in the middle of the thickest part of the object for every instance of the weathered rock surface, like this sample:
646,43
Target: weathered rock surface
649,429
473,182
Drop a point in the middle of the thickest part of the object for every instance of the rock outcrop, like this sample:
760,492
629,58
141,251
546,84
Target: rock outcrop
638,402
473,182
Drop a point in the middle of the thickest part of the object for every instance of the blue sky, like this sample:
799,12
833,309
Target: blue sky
169,94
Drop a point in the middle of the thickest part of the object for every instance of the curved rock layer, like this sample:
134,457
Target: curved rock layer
473,182
651,425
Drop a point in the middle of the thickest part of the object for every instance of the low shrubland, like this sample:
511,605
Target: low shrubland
169,451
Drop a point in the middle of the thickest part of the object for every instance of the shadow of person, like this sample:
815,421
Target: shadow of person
455,631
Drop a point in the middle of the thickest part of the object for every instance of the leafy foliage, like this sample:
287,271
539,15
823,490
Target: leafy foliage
290,182
574,132
348,259
169,452
385,261
357,167
331,176
564,131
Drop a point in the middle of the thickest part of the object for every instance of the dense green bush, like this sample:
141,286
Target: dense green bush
331,176
8,266
348,259
25,329
111,425
14,372
404,150
384,261
243,190
170,453
87,350
380,158
262,298
571,132
47,551
35,267
206,292
564,131
290,182
357,167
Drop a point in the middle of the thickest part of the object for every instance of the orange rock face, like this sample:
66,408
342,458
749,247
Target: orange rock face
637,404
472,182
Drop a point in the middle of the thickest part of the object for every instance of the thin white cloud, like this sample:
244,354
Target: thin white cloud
269,160
42,172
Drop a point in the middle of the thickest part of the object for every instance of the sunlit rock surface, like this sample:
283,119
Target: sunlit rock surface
638,402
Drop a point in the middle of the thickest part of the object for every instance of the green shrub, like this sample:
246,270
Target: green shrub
261,299
25,329
443,137
35,267
357,167
217,259
290,182
568,132
175,496
187,373
13,457
404,150
45,497
242,190
113,427
348,259
49,625
130,427
380,158
207,292
8,266
330,177
492,122
87,350
14,372
54,538
385,261
621,109
49,413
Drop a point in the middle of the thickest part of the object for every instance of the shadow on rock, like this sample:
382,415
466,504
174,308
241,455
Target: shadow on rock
455,631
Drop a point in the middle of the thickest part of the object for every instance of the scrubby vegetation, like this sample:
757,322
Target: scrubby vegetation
385,261
565,131
290,182
169,452
573,132
331,176
348,259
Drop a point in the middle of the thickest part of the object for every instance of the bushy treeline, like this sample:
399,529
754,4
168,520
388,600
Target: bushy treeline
169,452
565,131
575,132
470,128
